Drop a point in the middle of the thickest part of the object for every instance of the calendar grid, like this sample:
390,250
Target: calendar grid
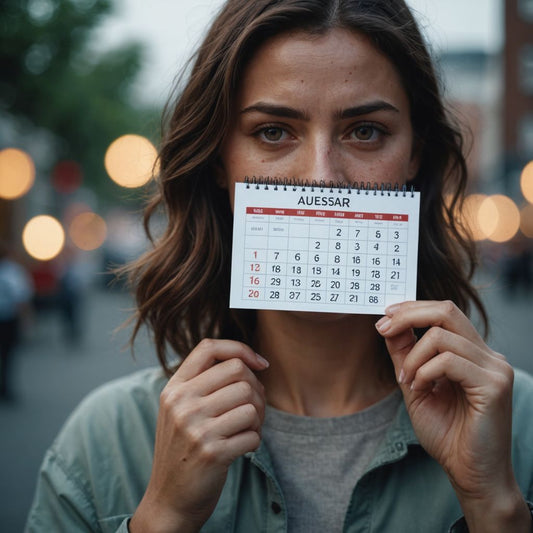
326,260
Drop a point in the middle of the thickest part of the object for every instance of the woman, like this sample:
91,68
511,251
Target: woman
343,422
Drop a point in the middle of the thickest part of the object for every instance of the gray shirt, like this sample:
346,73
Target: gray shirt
318,461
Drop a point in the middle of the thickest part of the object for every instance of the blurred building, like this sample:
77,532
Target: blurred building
472,83
518,62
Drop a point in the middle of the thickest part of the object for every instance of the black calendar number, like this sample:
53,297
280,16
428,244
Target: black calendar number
375,287
296,282
294,295
276,282
373,300
334,297
315,297
316,283
274,295
394,275
335,284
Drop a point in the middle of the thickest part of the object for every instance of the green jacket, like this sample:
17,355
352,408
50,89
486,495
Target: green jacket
95,473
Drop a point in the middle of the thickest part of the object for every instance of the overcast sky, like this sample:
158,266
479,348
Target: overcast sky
171,28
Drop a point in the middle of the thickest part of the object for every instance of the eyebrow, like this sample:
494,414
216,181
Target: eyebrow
276,110
365,109
290,112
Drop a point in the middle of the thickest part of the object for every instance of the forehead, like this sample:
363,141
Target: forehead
300,61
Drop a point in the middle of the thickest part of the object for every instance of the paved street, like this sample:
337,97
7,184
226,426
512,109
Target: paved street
52,377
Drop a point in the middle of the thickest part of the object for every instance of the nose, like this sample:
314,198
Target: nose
323,161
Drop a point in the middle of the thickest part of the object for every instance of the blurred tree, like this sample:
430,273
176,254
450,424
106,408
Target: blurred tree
51,79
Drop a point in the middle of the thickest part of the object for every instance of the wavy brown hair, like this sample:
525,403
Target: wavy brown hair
182,283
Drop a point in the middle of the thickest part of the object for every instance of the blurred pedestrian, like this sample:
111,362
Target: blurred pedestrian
72,284
16,292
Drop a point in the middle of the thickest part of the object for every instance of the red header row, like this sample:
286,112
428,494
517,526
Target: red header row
325,214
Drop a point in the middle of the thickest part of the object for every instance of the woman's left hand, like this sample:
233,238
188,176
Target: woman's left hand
458,394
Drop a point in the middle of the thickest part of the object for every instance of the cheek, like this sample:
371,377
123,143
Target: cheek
398,168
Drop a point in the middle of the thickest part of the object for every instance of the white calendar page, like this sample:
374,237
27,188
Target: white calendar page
320,249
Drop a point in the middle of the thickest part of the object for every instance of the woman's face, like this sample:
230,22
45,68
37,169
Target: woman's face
328,107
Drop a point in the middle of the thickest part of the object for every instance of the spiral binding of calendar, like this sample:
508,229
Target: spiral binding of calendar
384,189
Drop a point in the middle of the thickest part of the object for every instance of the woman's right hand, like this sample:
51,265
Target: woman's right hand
211,412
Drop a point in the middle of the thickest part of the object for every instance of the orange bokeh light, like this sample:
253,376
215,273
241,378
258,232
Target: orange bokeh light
469,215
88,231
526,220
508,217
43,237
526,182
17,173
130,161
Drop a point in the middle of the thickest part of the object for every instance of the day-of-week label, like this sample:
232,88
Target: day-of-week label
327,214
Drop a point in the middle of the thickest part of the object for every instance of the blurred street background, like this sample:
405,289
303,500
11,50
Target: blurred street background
82,87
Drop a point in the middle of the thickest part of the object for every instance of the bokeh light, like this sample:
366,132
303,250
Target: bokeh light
526,220
488,217
508,217
526,182
43,237
17,173
130,161
469,215
88,231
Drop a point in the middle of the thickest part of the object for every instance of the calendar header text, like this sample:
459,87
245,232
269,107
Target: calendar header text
324,201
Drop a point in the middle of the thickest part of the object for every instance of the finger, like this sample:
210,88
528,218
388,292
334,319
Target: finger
232,396
425,314
237,445
210,351
465,373
399,346
438,340
242,418
223,374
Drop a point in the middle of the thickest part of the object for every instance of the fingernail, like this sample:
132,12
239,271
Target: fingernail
392,309
401,377
262,360
383,324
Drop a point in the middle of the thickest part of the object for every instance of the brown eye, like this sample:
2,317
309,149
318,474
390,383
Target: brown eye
364,133
273,134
